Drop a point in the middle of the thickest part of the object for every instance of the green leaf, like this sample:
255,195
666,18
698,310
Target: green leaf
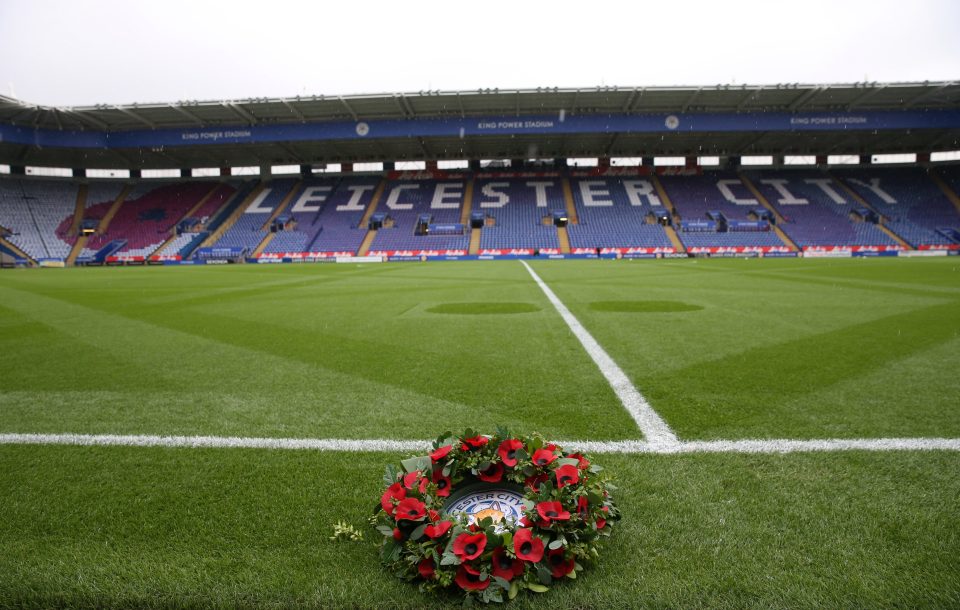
514,589
422,463
418,533
544,574
386,531
572,574
391,551
556,544
449,559
502,582
536,588
596,469
390,475
567,462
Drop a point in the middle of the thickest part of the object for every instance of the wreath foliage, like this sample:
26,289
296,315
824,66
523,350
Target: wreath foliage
567,508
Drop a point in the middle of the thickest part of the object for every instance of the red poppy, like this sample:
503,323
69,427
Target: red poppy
559,565
492,474
474,443
468,546
526,546
601,523
443,484
567,475
583,463
552,511
410,479
504,566
469,579
439,454
397,534
438,530
394,492
433,515
508,451
542,457
411,509
583,507
426,568
534,482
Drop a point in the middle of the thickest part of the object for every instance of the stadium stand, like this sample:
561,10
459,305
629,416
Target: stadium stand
409,202
327,215
248,231
617,213
520,210
817,212
716,210
32,210
909,202
423,213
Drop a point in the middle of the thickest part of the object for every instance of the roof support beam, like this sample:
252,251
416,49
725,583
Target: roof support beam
56,117
83,117
133,115
403,111
349,109
609,147
189,115
423,147
252,120
463,113
629,102
406,104
865,96
927,95
691,99
293,110
803,99
752,96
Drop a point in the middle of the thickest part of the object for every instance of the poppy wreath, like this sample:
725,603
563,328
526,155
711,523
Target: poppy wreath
567,508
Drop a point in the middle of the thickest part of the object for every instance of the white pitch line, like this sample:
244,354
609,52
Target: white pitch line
654,429
773,446
232,442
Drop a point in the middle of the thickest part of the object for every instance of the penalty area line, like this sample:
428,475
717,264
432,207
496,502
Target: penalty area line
654,429
757,446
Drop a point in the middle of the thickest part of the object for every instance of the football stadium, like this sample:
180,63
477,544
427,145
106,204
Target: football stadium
222,320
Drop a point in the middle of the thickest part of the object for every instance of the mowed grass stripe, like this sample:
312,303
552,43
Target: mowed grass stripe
774,358
654,429
359,357
135,527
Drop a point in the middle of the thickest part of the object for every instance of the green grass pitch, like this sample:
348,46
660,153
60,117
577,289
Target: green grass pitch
722,349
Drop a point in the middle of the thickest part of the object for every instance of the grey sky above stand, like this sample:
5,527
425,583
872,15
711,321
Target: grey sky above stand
112,52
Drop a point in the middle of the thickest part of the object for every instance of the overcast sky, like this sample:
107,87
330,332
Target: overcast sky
76,53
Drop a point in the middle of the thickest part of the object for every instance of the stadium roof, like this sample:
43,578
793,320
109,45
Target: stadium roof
597,101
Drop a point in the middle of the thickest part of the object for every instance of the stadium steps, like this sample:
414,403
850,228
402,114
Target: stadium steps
765,203
572,217
952,196
78,213
564,240
273,216
367,242
668,229
365,221
17,251
188,214
79,210
108,217
75,251
475,241
863,202
467,203
234,216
